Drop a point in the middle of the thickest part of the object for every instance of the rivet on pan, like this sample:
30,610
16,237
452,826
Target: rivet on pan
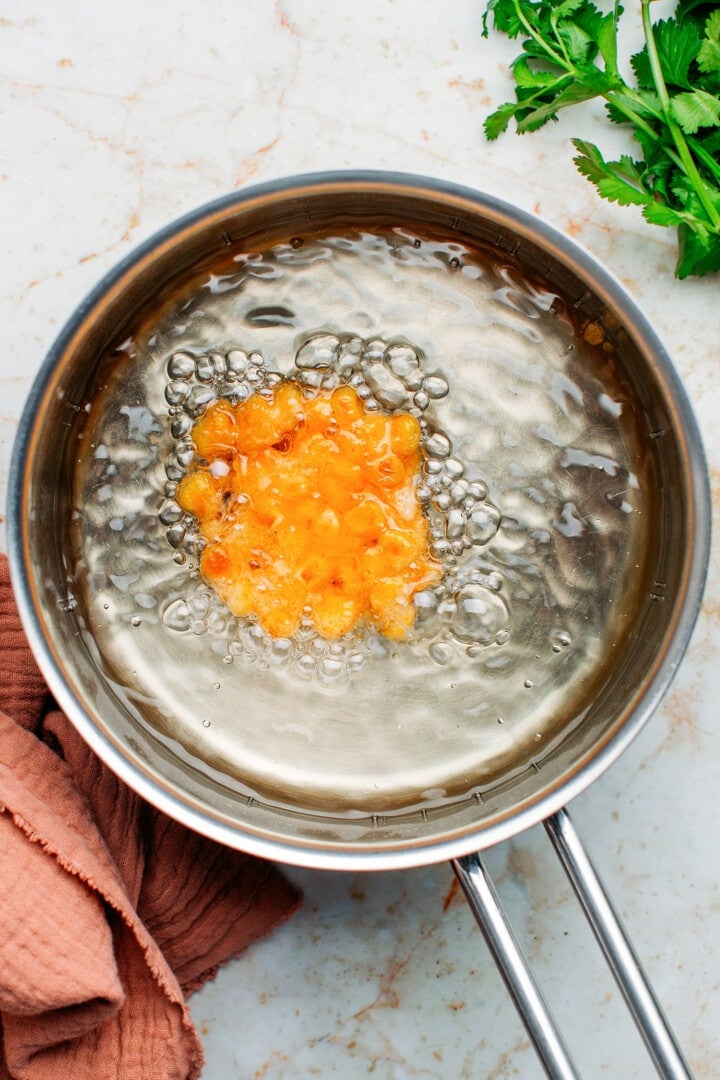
478,797
454,223
250,801
536,766
582,299
226,238
515,248
424,815
656,597
374,821
658,434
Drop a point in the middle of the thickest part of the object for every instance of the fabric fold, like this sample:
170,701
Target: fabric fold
111,912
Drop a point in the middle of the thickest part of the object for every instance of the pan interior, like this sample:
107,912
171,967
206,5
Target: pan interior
550,413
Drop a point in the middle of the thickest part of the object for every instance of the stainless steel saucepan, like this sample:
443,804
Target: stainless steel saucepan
570,504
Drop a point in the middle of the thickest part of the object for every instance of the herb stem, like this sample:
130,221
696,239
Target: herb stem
686,158
619,101
707,159
558,38
558,59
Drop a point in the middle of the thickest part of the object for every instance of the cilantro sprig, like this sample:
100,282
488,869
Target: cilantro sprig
570,55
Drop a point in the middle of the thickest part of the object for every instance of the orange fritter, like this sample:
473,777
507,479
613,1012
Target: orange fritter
308,503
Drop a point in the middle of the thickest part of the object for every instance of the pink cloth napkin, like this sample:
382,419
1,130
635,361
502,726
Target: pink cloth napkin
110,913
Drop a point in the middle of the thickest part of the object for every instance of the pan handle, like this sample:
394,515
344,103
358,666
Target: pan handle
619,953
513,966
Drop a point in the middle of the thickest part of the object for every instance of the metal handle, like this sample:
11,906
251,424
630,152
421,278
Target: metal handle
513,966
619,953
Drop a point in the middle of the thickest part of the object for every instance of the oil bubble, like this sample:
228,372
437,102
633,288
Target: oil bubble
219,365
494,581
458,491
480,616
180,426
305,666
441,652
435,387
279,651
331,672
181,366
170,513
204,369
403,361
455,523
438,445
388,389
318,352
477,490
176,392
199,603
237,362
483,523
216,622
560,639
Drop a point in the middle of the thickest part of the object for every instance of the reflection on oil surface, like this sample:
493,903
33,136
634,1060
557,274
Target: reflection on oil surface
531,483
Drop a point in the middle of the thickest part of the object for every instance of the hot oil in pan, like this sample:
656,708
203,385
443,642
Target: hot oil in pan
530,481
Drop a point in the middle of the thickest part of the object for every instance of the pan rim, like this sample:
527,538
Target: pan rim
370,855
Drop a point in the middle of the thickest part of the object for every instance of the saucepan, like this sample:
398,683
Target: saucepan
564,491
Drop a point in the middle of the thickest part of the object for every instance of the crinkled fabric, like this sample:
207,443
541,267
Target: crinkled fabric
110,912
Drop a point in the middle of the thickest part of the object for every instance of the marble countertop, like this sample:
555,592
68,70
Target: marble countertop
118,119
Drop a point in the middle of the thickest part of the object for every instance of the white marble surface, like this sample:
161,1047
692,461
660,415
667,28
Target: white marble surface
117,119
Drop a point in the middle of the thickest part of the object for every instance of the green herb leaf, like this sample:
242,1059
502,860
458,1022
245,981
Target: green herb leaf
694,11
696,256
532,78
677,45
566,8
570,55
708,57
594,84
711,143
617,181
659,214
607,41
577,42
645,105
498,121
695,110
505,18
